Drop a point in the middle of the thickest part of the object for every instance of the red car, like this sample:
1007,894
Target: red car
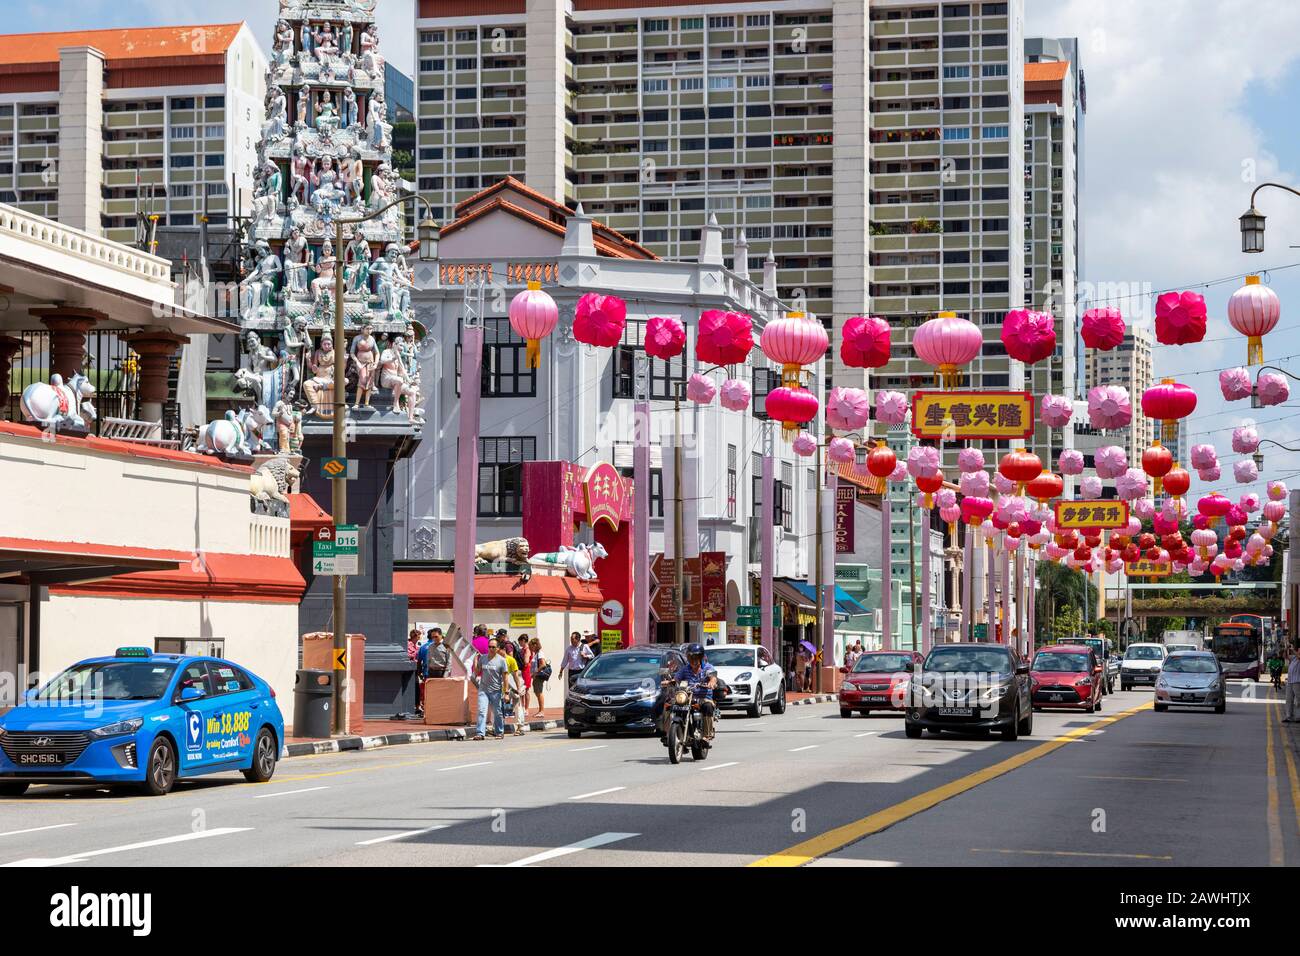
1067,676
878,681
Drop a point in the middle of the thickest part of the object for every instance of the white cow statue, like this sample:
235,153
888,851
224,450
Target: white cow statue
579,561
57,405
239,435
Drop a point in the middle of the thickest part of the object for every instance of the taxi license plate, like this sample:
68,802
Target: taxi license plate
39,760
956,711
876,699
605,718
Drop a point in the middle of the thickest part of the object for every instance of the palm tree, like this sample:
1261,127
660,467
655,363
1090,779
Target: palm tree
1060,587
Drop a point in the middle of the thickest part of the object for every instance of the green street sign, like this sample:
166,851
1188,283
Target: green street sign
981,632
745,619
340,554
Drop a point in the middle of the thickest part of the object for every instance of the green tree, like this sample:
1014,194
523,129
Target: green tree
1067,624
1060,587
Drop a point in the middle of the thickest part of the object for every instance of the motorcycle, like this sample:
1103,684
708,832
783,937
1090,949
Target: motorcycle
1277,679
685,724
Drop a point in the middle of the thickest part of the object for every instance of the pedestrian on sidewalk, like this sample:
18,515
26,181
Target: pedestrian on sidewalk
524,657
576,657
592,641
490,677
413,644
512,691
438,655
1293,686
541,674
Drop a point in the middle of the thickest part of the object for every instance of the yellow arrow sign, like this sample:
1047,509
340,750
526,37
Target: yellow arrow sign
340,659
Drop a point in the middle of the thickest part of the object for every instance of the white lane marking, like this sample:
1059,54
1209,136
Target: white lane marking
719,766
869,733
401,836
809,747
285,793
809,717
597,793
464,766
55,826
82,857
583,750
590,843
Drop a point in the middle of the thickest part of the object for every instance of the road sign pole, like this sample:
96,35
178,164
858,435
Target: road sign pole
339,489
767,558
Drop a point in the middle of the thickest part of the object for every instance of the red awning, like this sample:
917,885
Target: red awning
305,516
545,592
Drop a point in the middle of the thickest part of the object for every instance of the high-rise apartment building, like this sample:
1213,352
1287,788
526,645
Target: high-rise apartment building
1128,365
101,127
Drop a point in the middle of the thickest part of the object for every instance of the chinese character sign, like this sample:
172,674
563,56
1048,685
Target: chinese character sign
1148,569
955,416
1100,515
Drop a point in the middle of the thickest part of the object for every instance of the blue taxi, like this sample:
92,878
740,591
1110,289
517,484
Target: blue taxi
141,718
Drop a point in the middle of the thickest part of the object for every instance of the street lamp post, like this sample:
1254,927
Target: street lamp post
428,233
1252,220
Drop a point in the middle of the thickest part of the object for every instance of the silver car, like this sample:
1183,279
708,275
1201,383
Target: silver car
1191,679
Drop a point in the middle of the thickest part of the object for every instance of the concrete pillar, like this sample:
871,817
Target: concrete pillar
544,84
155,350
81,137
68,328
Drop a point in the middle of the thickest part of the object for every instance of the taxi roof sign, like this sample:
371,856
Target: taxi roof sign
134,652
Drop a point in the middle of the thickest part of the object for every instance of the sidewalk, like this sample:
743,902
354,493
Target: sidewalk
390,733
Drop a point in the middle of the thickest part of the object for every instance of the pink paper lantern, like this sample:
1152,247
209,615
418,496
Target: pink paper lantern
1277,491
1204,456
700,389
1180,318
1272,388
947,343
1055,411
533,315
841,451
950,514
1029,336
974,483
1134,526
970,459
1235,384
1274,511
723,338
792,407
792,343
735,395
923,461
1132,484
1254,311
1245,440
1169,402
847,409
665,337
975,510
1070,462
1102,328
599,320
804,445
864,342
1090,486
1109,406
891,407
1111,461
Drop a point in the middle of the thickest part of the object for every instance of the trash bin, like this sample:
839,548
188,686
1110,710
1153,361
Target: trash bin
313,696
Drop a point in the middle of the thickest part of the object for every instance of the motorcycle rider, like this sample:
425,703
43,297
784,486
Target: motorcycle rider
702,678
1275,667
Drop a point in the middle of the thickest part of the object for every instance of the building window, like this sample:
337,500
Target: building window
996,132
721,23
666,378
956,72
214,102
690,23
501,475
654,86
956,132
183,103
690,83
214,159
785,497
182,162
722,82
182,132
764,379
655,26
505,363
994,69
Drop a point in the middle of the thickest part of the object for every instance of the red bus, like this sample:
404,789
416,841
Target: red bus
1238,645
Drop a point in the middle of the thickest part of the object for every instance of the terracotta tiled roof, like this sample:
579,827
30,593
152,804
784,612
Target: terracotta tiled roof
432,590
137,44
1053,72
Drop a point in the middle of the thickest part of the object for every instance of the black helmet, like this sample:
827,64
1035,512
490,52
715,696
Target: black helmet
694,650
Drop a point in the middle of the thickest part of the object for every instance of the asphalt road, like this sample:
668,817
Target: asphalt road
1124,787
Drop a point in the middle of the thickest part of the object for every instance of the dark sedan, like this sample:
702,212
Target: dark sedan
620,691
971,688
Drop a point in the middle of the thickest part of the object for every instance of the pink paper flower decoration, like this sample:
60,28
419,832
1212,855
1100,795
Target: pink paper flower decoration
974,483
1204,456
1103,328
1210,475
923,461
1249,502
1003,486
665,337
847,409
945,497
1277,491
970,459
724,338
1090,486
1132,484
1055,411
735,395
1109,406
1235,517
1111,461
841,450
1245,440
700,389
1273,388
864,342
1070,462
804,445
1235,384
1144,508
1180,318
599,320
891,408
899,473
1029,336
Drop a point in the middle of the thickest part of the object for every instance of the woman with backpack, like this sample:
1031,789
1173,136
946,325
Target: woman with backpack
541,671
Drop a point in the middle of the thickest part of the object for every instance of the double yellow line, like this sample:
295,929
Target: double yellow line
1276,855
842,836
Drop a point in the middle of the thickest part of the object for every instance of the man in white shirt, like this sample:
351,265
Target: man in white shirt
1293,687
576,657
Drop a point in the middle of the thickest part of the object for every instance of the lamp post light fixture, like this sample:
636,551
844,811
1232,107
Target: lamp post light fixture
1252,221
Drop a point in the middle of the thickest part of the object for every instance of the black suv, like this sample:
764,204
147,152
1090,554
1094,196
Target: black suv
971,687
620,690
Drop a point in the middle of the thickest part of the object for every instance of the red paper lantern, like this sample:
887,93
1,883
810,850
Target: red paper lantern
928,485
1093,540
1132,553
1177,482
1045,487
792,407
1168,402
1157,462
881,461
1021,467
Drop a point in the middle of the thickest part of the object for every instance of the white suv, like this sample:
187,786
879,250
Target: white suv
755,680
1141,665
